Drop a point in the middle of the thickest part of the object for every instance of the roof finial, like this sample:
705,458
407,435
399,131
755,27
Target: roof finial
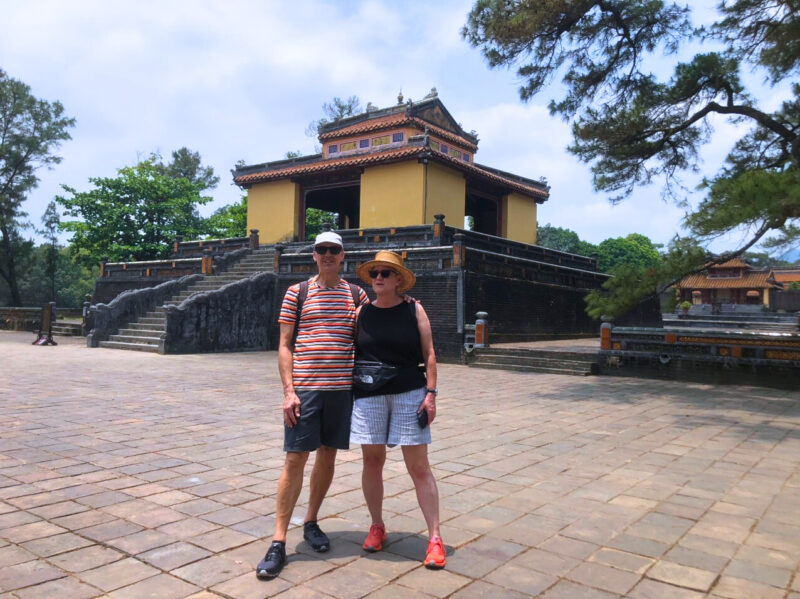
400,96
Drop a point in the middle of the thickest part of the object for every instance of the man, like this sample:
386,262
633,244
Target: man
317,378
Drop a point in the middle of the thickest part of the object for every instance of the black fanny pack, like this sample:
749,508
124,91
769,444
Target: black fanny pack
369,376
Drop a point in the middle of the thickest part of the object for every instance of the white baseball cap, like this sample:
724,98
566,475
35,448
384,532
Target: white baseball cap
329,237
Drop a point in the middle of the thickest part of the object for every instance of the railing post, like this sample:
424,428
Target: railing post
438,228
103,262
458,250
326,227
253,239
276,257
481,329
177,244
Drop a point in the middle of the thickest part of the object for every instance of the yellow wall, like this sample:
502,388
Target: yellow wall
765,296
519,218
392,195
273,208
445,193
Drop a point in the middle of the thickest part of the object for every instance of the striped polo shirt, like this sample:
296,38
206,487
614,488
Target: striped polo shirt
324,352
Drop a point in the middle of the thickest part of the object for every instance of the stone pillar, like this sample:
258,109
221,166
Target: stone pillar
458,250
253,239
176,246
481,329
103,262
207,262
276,257
605,336
438,229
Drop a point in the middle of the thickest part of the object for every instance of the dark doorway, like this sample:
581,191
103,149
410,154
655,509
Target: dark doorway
342,201
485,213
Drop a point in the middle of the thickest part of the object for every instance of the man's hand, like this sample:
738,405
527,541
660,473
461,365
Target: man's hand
291,409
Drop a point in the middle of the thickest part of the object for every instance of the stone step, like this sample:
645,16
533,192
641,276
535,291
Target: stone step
134,331
534,361
67,329
152,320
130,346
149,340
539,353
533,369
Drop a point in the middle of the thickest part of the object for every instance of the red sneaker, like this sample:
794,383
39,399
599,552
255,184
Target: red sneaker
435,557
375,538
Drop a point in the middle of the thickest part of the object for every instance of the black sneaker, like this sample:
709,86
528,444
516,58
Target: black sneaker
273,562
318,540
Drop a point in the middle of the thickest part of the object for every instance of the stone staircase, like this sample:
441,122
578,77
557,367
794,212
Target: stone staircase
535,360
145,333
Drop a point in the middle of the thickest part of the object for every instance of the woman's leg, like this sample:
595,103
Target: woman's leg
416,458
372,480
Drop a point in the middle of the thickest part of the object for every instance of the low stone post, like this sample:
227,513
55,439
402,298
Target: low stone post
605,336
103,262
176,246
481,329
253,239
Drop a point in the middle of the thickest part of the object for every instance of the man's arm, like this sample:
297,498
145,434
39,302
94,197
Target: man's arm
291,403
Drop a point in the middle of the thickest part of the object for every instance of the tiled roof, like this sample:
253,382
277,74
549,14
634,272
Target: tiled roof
392,155
732,263
787,275
753,279
397,120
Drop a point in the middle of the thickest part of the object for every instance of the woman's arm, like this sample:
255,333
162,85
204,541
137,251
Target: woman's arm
429,357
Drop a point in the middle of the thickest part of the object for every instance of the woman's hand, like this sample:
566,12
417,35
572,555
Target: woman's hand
429,404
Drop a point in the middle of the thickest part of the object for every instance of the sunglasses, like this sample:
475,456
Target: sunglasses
335,250
373,274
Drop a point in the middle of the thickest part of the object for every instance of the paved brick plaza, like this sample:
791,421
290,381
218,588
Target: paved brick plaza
134,475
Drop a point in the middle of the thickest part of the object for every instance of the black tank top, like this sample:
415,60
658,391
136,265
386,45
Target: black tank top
391,336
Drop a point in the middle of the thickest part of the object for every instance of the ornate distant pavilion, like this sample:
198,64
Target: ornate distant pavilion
732,282
391,167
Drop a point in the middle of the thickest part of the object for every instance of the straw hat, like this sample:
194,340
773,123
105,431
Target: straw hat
392,260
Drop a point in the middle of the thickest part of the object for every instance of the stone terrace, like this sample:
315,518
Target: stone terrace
133,475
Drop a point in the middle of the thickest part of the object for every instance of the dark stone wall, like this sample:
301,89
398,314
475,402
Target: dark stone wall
522,310
436,289
236,317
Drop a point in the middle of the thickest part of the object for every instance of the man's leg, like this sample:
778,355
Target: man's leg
321,478
290,484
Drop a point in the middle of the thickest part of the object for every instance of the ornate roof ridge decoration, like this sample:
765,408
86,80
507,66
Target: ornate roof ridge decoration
409,113
418,146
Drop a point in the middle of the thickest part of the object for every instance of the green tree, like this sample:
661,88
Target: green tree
188,165
228,221
30,132
635,251
563,240
315,218
333,111
134,216
635,127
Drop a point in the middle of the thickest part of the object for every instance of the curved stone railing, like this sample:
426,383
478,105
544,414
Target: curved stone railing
235,317
107,319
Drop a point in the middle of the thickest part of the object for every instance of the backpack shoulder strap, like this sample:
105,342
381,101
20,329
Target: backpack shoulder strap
302,293
355,294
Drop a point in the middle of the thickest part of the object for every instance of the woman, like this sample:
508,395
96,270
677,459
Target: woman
394,332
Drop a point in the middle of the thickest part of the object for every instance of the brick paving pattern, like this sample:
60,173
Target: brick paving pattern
134,475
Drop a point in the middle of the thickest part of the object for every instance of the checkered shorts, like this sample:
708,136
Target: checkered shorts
389,420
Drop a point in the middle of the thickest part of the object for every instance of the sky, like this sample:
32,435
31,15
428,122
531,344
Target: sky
241,80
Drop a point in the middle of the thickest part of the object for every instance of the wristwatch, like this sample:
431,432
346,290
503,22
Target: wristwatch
434,391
